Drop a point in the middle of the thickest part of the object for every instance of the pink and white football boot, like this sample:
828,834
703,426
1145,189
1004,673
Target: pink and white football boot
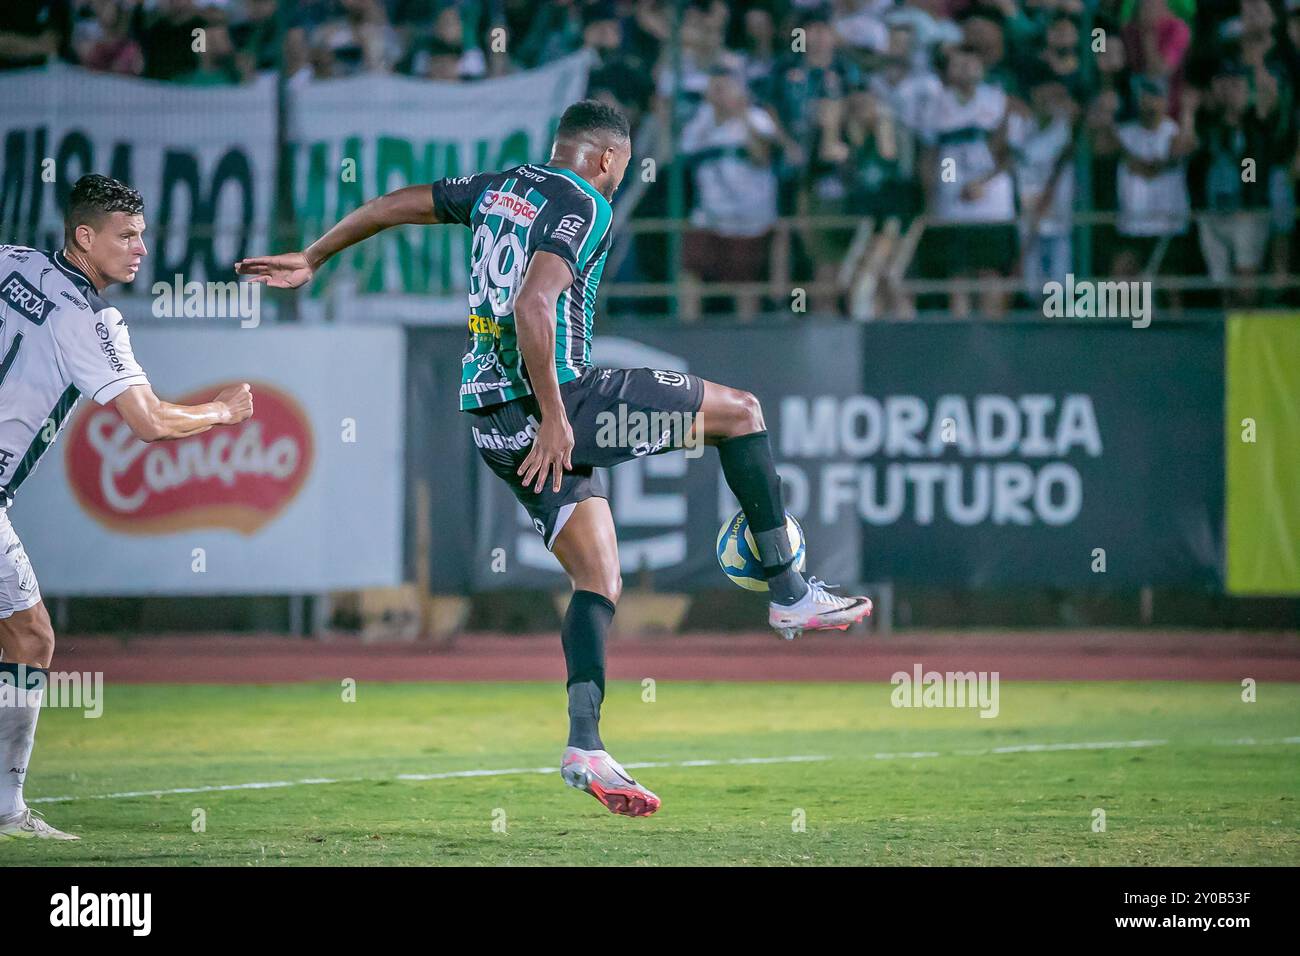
597,773
817,610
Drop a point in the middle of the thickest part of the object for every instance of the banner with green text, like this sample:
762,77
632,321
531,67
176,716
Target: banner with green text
354,139
205,160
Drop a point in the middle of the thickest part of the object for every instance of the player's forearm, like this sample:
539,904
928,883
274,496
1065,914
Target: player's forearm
169,422
411,204
535,327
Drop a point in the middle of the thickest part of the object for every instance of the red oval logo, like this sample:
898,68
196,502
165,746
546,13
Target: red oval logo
237,477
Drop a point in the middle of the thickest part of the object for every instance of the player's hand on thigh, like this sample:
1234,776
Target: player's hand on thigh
552,453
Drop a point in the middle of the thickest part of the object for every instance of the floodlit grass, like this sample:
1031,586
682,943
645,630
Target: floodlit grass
1194,794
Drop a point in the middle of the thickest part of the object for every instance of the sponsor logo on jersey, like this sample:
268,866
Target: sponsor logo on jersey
508,206
237,477
76,300
527,173
106,346
483,325
568,227
477,388
19,294
6,456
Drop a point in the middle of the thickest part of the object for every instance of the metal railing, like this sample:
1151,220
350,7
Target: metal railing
781,282
335,293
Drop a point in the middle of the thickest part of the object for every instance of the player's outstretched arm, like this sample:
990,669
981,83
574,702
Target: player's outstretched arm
152,419
408,205
547,277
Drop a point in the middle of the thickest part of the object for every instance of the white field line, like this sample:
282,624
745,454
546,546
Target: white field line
446,775
1048,748
733,762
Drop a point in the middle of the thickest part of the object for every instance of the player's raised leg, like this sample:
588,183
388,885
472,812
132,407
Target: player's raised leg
27,642
587,548
732,420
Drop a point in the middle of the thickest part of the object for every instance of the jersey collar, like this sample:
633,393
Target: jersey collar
578,181
71,270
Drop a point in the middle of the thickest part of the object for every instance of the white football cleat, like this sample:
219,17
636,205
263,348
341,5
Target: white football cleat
817,610
27,823
597,773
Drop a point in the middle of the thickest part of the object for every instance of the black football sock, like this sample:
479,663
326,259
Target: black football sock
584,716
750,470
586,623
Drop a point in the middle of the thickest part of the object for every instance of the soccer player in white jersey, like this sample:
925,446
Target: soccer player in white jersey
58,341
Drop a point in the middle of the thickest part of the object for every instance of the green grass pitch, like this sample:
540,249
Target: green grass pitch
1217,781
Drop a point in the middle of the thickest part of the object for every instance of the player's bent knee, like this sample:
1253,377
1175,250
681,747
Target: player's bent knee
602,584
749,413
43,644
744,415
31,643
729,413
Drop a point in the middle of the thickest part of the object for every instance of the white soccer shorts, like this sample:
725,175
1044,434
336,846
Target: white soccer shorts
18,588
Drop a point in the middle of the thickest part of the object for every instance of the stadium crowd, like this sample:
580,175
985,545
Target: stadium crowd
947,135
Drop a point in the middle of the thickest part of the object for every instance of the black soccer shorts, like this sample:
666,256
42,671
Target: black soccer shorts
616,414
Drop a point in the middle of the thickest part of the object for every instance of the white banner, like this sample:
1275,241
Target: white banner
306,496
353,139
202,157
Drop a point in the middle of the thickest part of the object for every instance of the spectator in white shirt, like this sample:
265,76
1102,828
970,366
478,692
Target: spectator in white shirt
1042,144
970,194
729,145
1154,207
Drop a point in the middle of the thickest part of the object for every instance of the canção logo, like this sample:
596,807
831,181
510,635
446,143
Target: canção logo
229,477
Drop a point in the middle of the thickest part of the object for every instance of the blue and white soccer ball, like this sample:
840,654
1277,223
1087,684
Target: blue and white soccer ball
738,553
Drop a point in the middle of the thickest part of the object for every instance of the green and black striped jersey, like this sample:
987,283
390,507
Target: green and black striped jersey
513,214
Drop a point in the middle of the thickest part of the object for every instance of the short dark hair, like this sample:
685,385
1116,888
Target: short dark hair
589,118
95,196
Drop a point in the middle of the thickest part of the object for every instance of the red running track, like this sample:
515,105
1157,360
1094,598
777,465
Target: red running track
1015,655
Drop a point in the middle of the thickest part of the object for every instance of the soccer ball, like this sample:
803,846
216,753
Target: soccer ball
738,554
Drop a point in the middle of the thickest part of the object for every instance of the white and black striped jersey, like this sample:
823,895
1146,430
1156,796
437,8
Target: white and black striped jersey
59,340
